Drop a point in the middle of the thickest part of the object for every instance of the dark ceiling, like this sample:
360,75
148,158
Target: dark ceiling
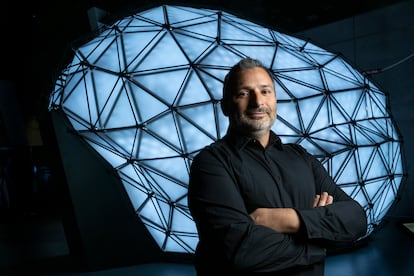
37,36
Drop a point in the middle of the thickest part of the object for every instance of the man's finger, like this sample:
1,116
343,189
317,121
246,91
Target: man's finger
316,200
329,200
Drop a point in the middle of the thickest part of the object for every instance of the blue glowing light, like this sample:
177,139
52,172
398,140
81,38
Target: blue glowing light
147,89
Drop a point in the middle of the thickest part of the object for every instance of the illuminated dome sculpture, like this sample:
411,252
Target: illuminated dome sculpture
145,94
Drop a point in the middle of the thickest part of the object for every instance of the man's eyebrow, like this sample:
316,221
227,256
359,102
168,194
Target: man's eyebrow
261,86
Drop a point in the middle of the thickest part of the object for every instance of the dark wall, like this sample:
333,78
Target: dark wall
12,131
381,43
99,220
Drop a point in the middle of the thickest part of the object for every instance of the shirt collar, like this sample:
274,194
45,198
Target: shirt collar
239,140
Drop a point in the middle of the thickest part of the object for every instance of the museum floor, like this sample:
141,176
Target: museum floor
35,244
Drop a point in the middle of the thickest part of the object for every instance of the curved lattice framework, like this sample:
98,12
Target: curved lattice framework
145,95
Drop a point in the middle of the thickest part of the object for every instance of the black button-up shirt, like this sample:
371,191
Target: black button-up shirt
232,177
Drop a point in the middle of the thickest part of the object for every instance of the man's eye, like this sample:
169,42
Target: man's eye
242,94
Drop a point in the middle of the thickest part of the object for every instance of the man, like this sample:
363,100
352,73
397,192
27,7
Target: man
260,205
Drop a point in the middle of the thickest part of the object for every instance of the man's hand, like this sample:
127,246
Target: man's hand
322,200
286,220
283,220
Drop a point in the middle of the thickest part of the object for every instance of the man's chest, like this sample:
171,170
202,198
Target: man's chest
281,181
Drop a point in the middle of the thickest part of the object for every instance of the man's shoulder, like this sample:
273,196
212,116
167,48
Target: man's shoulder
217,148
295,147
217,145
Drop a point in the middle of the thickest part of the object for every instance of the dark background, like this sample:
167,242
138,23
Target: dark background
36,38
37,35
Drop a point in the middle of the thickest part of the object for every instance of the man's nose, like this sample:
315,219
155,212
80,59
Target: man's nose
256,98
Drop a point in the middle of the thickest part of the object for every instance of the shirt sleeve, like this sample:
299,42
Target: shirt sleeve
339,224
227,234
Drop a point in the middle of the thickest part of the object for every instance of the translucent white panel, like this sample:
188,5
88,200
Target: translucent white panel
154,15
185,16
265,52
166,53
150,211
304,83
329,135
373,188
287,59
99,139
206,31
92,49
144,89
328,146
70,82
290,139
164,127
167,188
125,140
194,47
339,67
214,84
182,222
194,92
394,157
111,157
131,175
122,113
282,93
165,210
234,32
77,124
312,147
220,55
78,103
203,116
136,46
136,196
310,108
287,111
347,101
190,242
262,33
223,122
361,139
157,233
143,100
376,168
286,39
343,168
372,129
74,67
337,116
385,201
173,245
322,117
365,155
282,127
151,148
165,85
336,82
359,195
316,53
190,131
376,106
175,167
111,58
136,24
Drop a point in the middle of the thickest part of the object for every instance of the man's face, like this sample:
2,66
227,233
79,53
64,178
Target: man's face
252,107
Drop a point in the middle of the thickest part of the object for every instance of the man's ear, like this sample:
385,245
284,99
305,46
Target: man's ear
224,107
